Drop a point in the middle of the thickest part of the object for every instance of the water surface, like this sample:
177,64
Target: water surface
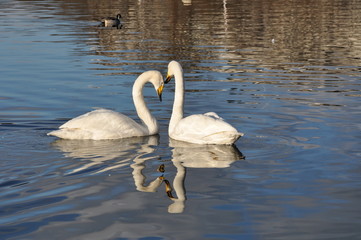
286,73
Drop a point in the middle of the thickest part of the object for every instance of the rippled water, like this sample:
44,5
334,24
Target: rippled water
286,73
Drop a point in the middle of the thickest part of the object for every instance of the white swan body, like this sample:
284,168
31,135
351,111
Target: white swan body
107,124
206,128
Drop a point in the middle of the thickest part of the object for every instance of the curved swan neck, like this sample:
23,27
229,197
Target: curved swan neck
178,183
177,112
141,107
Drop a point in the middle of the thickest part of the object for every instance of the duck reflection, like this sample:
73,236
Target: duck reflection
185,155
96,154
187,2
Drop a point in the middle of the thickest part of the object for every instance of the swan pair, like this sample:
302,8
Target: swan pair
99,124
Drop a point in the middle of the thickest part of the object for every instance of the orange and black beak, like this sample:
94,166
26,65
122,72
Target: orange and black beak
169,77
160,91
168,189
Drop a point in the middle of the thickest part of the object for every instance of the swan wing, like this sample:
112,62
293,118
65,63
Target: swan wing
205,129
100,124
213,115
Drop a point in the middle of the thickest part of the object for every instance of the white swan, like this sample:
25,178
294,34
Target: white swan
107,124
206,128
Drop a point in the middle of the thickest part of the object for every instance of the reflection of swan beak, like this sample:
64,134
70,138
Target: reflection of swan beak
169,77
168,189
161,168
159,92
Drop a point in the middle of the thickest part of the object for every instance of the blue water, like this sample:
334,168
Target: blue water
287,74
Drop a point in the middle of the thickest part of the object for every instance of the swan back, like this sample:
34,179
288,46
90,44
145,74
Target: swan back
100,124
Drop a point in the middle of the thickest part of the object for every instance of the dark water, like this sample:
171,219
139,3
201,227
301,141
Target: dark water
286,73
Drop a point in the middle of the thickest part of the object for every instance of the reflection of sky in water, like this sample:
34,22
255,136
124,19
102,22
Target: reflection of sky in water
286,76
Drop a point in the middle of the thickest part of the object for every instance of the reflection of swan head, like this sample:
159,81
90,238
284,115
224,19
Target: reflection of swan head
178,204
139,178
168,189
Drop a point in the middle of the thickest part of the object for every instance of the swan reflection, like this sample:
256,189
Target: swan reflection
204,156
184,155
139,177
97,153
187,155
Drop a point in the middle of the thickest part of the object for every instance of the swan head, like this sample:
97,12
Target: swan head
173,68
156,78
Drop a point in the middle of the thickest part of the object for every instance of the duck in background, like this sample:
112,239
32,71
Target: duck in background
112,22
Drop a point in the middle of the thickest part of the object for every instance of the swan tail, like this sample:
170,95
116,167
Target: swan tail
70,133
225,137
53,133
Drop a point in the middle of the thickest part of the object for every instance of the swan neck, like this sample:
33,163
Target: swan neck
143,112
179,203
177,112
178,182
